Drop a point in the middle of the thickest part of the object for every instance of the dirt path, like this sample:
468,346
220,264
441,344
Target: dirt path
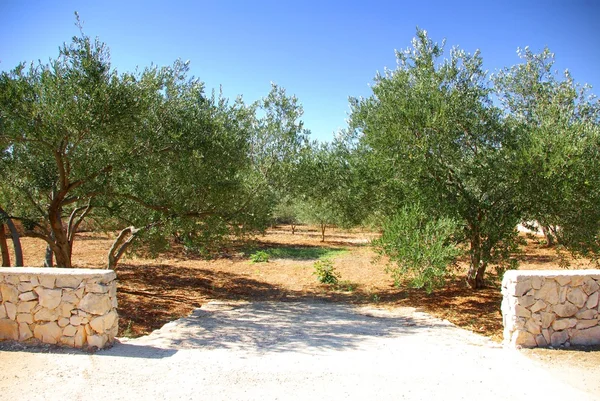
278,350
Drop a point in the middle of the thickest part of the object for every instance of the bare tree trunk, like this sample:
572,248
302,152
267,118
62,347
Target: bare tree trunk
549,237
323,226
49,258
476,266
16,238
62,251
293,229
4,247
122,242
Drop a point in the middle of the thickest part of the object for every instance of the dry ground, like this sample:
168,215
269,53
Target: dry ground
154,291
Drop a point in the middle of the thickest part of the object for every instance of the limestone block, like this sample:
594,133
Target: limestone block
76,320
114,302
48,333
533,327
47,281
537,318
548,292
586,324
112,333
589,336
27,296
70,297
590,286
68,281
9,329
49,298
576,281
547,319
96,288
526,301
2,312
26,307
70,331
522,287
565,310
547,335
593,300
88,330
102,324
97,341
523,339
69,341
562,324
562,280
47,315
522,311
577,297
558,338
97,304
80,337
25,286
11,310
587,314
537,282
63,322
12,279
25,318
34,281
66,309
24,332
9,292
538,306
562,295
112,290
541,341
79,292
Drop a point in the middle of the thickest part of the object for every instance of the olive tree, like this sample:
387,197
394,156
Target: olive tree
560,165
433,129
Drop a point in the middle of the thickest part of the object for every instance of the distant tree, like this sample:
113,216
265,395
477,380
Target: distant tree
432,129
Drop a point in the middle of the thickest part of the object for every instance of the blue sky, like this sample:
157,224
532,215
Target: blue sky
321,51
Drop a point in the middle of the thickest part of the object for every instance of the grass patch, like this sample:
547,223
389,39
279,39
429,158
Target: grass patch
299,252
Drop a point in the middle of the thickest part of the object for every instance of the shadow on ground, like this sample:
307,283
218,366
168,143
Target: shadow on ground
261,327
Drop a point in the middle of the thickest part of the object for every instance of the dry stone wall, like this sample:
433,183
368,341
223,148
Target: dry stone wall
551,308
73,307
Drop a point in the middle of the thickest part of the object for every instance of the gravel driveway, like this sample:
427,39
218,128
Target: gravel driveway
286,351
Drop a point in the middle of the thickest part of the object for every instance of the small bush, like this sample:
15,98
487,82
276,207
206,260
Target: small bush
259,257
420,247
325,272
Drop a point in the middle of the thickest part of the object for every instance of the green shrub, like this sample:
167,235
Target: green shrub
419,246
325,272
259,257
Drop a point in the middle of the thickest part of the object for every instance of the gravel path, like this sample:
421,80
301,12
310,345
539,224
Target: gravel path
286,351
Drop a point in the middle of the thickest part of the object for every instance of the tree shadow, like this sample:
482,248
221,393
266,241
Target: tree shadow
305,327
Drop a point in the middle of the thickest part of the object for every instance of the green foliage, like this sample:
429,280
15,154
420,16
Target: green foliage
432,134
259,257
298,252
326,272
304,253
148,150
422,248
560,124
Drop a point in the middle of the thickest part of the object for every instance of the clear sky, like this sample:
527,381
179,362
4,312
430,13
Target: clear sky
321,51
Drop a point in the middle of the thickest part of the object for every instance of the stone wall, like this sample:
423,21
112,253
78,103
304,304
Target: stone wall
73,307
551,308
